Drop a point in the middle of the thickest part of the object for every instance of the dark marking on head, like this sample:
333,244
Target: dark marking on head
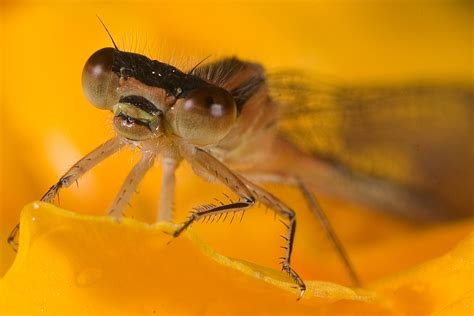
242,79
141,103
155,74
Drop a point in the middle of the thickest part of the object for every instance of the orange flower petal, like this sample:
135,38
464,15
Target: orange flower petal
72,263
84,264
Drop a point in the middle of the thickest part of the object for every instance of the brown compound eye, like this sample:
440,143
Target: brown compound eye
99,82
205,116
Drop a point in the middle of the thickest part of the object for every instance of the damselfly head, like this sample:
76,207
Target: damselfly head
150,98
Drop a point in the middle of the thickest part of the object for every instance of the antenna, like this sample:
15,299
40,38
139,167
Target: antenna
194,68
107,30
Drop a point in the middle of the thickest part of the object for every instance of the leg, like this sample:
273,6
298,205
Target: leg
248,193
73,174
321,216
12,237
210,210
131,182
82,166
330,233
168,184
278,206
208,167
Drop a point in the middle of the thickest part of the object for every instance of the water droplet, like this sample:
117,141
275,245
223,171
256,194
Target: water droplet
33,219
88,276
36,205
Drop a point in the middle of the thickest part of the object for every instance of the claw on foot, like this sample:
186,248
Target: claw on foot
301,293
12,238
296,278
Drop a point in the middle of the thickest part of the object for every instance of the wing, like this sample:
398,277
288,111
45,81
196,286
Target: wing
417,136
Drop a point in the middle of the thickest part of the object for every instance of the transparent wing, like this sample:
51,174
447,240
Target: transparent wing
418,136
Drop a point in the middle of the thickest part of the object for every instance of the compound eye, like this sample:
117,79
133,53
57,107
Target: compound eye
206,115
99,82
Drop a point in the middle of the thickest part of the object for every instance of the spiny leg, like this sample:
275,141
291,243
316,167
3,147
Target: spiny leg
73,174
129,186
330,233
168,184
248,192
281,208
221,209
206,165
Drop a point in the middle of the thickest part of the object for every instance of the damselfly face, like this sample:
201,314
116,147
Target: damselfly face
150,99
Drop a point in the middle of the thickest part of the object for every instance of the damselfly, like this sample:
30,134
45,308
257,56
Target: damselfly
234,124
